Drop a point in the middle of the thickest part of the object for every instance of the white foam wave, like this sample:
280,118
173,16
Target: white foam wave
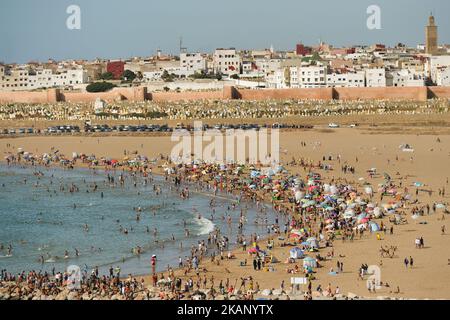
206,226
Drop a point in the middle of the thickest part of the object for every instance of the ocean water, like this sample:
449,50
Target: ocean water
39,220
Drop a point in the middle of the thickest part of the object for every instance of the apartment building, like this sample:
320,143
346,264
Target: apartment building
346,80
195,62
278,79
436,66
227,61
375,77
405,78
311,77
46,78
13,79
442,76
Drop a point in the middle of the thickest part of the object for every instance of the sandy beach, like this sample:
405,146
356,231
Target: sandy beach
364,148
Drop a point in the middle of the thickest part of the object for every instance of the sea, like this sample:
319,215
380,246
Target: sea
40,219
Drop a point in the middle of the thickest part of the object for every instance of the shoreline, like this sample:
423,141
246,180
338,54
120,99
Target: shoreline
105,170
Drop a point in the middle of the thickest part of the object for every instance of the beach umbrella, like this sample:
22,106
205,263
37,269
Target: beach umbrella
309,262
298,195
309,204
440,206
368,190
253,250
266,292
377,212
361,216
333,189
348,214
374,227
255,174
364,220
295,236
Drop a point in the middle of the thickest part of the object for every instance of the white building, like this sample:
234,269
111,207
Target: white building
346,80
46,78
150,76
194,62
267,67
227,61
435,66
375,77
277,79
356,79
405,78
311,77
443,76
247,67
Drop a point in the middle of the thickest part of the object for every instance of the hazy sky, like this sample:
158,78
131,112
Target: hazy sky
36,29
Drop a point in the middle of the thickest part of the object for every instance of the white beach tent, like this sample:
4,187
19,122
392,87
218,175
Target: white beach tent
309,262
296,253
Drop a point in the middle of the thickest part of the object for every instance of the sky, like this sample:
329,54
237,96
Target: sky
35,30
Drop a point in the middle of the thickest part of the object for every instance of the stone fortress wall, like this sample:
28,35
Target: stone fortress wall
137,94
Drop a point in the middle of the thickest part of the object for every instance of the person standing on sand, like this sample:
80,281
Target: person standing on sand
406,261
411,261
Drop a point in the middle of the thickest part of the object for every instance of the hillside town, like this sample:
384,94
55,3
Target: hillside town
317,66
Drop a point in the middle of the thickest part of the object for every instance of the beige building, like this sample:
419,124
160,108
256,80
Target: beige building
13,79
227,61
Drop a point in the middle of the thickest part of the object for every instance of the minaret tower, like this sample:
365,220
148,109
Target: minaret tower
431,32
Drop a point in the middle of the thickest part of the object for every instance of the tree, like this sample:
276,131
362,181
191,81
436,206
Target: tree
100,87
107,76
128,75
167,77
